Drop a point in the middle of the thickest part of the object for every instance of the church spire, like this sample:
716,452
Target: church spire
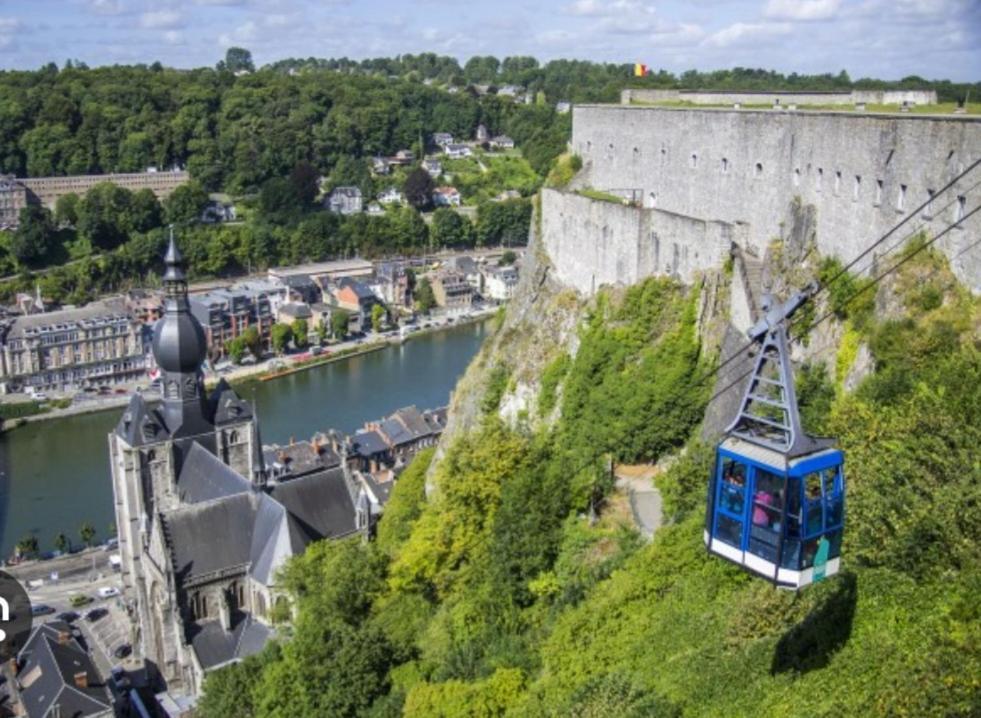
179,347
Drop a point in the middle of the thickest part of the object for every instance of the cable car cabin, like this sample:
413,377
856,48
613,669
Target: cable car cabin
776,502
767,512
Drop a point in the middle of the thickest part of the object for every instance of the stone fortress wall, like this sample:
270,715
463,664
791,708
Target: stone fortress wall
750,97
706,178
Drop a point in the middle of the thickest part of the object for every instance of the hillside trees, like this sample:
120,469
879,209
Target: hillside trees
35,239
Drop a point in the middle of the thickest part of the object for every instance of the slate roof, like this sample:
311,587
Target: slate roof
210,536
368,443
300,458
227,406
215,646
48,676
204,477
276,536
140,423
321,503
360,290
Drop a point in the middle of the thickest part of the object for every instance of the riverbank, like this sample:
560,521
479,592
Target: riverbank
272,368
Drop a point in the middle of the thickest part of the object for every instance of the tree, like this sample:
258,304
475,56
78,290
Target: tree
66,209
252,341
235,349
185,203
322,332
87,533
280,336
62,544
418,188
104,215
339,323
507,258
377,317
451,229
27,546
145,212
35,238
304,180
238,59
301,333
425,299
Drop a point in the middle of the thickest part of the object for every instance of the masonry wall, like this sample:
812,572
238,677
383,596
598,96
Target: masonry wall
861,172
595,242
708,97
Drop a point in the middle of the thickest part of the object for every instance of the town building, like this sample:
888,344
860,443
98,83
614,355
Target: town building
446,197
291,311
510,91
441,139
499,283
345,200
16,193
457,151
380,166
390,443
217,211
482,135
55,676
375,209
300,288
203,527
451,290
403,158
563,107
354,297
319,271
501,142
433,166
391,195
391,284
226,313
99,344
469,269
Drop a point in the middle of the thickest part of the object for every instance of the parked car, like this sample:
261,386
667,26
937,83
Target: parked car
108,592
122,651
41,609
80,600
68,616
95,614
110,544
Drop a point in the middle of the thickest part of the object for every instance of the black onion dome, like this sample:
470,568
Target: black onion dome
179,344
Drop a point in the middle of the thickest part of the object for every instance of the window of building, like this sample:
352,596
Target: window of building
759,170
725,166
820,179
797,177
837,182
901,198
928,210
693,162
960,209
857,188
878,192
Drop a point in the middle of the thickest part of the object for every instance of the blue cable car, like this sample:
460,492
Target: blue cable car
776,501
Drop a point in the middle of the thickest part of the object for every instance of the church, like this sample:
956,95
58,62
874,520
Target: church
203,526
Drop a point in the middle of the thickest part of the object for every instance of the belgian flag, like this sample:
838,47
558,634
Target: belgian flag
640,70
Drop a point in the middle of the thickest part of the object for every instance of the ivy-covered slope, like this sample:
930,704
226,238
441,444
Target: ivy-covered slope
518,586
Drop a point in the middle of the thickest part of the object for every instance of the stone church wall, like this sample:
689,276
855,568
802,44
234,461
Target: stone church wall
861,172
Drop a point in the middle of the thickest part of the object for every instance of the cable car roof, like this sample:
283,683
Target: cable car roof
775,459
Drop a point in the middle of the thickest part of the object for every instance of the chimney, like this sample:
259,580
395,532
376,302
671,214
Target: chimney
81,679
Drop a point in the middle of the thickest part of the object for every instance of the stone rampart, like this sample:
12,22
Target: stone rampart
861,172
593,242
752,97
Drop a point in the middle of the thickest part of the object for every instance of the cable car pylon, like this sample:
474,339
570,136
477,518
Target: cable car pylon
776,496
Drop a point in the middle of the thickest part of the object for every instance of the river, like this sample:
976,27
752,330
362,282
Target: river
54,475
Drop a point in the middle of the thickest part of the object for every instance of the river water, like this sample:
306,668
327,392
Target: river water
54,475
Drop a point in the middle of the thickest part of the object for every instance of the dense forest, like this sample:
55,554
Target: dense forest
519,587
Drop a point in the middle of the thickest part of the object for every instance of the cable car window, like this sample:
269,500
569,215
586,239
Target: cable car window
733,486
729,530
813,522
768,500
